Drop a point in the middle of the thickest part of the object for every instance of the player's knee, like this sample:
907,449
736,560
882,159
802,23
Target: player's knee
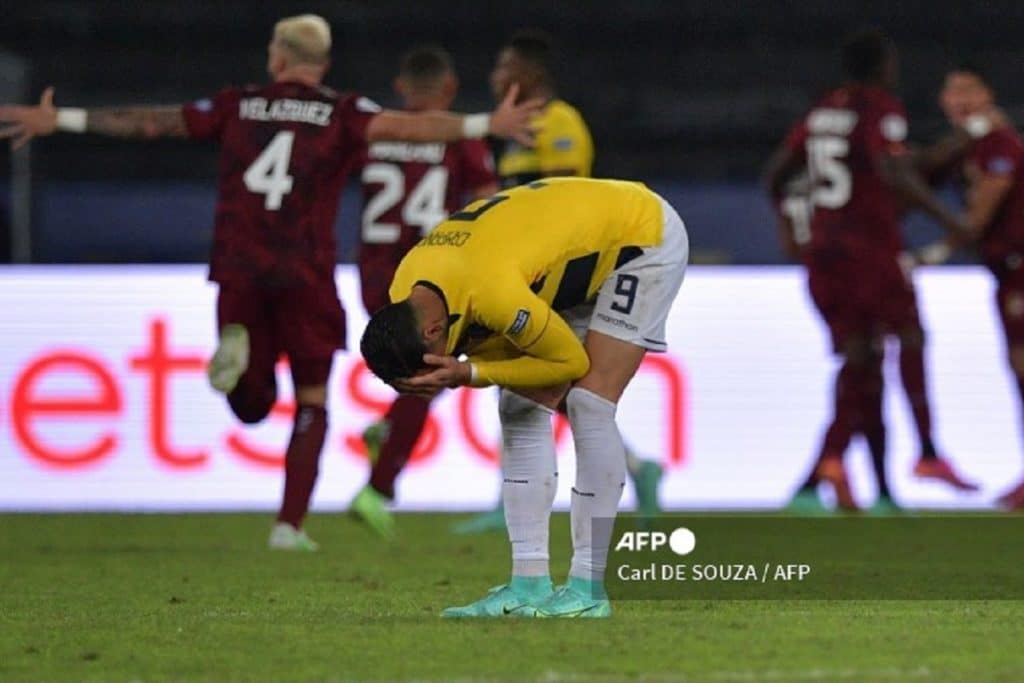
584,407
858,352
311,395
912,337
513,408
252,408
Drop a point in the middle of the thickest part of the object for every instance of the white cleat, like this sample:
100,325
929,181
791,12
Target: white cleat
286,537
231,359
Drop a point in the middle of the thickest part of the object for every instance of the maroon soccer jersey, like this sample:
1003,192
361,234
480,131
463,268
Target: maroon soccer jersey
1001,153
856,213
407,190
286,151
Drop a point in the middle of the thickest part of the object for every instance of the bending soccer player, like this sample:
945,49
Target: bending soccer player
555,291
563,147
286,151
407,190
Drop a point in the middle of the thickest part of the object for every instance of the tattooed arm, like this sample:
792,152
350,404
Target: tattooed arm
21,124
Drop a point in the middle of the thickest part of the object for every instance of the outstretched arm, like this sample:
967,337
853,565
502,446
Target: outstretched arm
509,120
901,175
26,122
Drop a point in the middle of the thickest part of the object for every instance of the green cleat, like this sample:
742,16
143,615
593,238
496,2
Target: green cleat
482,523
516,599
286,537
806,504
885,506
576,599
645,480
371,507
374,437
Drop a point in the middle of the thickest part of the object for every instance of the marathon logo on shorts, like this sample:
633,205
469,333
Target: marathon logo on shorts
617,322
519,324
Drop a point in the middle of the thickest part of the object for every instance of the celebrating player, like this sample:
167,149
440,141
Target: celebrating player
515,282
563,148
286,149
853,145
407,190
994,180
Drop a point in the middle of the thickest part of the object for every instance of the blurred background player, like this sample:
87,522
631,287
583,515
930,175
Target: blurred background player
286,150
407,190
563,147
853,145
994,193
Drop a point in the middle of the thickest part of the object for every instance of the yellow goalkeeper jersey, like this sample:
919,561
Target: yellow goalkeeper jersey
563,148
504,264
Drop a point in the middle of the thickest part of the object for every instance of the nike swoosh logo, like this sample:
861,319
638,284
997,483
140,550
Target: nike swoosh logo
506,610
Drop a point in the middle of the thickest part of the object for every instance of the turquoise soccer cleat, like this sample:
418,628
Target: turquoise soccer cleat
518,599
885,506
645,480
807,504
483,523
576,599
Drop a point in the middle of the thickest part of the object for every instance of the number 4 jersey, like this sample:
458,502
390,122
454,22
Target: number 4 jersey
855,213
286,151
408,188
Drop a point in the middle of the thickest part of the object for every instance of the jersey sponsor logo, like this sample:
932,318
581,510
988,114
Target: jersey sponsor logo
616,322
203,105
444,239
519,324
563,144
429,153
827,121
298,111
894,128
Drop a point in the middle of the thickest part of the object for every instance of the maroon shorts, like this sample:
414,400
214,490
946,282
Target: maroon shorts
375,283
1010,301
862,298
306,322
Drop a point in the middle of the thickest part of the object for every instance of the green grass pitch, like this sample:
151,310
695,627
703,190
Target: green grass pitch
140,598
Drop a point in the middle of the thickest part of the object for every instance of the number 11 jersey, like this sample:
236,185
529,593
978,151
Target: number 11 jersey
286,151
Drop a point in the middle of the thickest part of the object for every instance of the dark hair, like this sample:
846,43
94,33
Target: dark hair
865,53
391,343
425,64
973,69
534,46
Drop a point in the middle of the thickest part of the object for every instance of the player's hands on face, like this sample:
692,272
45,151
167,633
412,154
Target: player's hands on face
445,372
21,124
515,121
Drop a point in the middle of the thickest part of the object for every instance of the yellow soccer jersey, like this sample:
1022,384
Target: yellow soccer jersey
563,147
504,264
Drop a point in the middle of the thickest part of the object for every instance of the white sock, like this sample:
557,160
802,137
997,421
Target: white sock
600,476
530,480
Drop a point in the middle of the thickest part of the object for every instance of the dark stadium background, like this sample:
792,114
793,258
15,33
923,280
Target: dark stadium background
689,96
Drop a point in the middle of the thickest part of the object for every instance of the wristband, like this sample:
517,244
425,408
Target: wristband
977,126
72,120
476,125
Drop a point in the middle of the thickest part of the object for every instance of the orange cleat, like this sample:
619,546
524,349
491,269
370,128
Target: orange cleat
831,469
940,469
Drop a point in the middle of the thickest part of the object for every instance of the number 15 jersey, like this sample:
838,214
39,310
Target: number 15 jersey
286,150
855,212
